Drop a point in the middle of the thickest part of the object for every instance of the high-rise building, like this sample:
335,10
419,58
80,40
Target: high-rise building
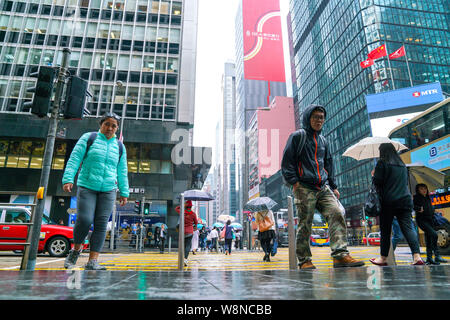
228,140
331,39
139,57
259,74
268,134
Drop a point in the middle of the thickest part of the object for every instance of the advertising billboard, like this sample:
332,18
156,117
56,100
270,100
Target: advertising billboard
435,155
405,100
263,45
381,127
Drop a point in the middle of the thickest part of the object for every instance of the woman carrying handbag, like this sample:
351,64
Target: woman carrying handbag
391,181
266,231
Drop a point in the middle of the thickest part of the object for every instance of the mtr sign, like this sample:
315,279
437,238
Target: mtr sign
417,94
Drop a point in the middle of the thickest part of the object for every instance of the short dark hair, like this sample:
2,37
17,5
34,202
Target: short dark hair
110,115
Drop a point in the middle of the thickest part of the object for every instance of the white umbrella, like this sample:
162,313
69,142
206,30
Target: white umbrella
225,218
418,173
367,148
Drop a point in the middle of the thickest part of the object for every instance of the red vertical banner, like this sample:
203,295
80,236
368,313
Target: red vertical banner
263,43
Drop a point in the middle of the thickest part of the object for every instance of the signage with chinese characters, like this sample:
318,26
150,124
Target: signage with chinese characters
440,200
263,45
137,190
435,155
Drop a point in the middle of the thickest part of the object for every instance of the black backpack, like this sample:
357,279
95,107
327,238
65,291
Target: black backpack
91,140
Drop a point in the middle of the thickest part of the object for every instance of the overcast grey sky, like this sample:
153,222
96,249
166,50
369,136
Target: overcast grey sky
215,46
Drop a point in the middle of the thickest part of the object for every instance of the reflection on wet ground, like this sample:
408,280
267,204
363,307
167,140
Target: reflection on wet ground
364,283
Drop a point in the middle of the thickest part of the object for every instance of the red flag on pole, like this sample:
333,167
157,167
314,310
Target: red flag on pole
378,52
400,52
366,63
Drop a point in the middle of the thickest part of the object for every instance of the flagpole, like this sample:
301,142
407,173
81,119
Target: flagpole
407,65
389,63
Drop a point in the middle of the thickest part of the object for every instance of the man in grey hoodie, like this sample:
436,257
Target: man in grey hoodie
307,165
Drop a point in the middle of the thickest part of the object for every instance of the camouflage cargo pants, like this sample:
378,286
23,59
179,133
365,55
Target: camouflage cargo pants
306,201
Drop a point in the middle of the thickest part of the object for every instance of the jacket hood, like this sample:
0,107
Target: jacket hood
307,116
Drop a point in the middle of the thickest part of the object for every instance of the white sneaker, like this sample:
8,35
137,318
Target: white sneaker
185,262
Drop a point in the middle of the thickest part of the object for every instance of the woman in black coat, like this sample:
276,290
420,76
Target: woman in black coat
424,217
391,180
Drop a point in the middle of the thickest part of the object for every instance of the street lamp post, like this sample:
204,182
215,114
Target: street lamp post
35,232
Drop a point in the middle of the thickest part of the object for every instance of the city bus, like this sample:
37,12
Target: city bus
319,231
427,137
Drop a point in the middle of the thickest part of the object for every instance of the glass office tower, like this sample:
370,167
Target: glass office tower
132,53
332,37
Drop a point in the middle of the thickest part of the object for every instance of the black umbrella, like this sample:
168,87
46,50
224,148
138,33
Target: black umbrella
197,195
260,204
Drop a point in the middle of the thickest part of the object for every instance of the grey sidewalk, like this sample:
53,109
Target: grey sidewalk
365,283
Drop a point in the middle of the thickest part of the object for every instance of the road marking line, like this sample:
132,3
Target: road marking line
18,267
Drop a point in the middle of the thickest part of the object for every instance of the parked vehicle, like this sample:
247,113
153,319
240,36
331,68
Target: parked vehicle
55,239
374,239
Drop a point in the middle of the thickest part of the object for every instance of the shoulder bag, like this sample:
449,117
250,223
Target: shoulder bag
265,224
372,207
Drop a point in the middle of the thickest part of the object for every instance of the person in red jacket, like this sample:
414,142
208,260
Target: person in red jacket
190,224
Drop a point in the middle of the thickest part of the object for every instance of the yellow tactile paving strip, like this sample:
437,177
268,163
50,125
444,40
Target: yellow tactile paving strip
237,261
205,261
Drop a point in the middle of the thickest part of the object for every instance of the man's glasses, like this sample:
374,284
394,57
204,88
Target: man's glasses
317,118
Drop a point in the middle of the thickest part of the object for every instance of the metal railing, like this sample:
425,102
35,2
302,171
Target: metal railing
20,207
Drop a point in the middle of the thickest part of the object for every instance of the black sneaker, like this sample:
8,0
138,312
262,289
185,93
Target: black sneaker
71,259
440,259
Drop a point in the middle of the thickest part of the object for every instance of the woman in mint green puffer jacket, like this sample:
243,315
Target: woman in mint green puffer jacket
100,170
103,169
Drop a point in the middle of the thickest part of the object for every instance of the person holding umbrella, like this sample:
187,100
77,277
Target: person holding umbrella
266,231
307,165
391,180
190,224
424,217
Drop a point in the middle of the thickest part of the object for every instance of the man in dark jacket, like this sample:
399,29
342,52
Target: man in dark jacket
307,165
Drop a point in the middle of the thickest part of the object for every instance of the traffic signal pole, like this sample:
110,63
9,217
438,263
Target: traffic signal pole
47,162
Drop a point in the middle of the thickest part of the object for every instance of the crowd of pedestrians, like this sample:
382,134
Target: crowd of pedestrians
100,160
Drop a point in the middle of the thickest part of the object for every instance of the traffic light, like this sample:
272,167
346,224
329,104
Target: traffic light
43,91
146,208
76,92
137,207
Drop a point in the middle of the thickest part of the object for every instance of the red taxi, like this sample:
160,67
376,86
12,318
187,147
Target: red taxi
55,239
374,239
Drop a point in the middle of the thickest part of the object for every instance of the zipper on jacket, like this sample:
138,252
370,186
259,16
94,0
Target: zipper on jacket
300,168
317,162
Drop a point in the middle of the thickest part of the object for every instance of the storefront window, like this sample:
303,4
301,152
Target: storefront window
59,155
166,167
37,154
3,151
155,166
144,166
